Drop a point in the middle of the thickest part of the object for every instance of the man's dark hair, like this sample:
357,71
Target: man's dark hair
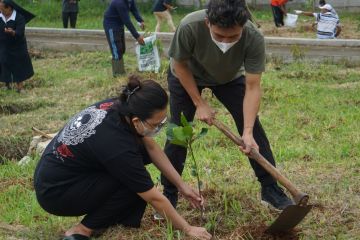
322,2
227,13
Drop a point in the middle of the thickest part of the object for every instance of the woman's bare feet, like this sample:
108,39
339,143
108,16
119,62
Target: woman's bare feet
79,229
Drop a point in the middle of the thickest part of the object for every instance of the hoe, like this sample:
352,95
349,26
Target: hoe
291,215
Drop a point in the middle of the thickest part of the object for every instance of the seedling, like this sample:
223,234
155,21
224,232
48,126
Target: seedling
184,135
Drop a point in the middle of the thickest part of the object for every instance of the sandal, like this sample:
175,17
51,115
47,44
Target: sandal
76,237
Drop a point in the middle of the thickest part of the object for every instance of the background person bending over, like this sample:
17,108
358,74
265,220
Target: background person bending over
70,10
15,62
115,18
161,11
328,24
220,49
95,166
323,2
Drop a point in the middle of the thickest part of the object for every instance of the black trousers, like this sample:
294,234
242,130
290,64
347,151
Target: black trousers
278,16
116,41
231,95
99,197
72,16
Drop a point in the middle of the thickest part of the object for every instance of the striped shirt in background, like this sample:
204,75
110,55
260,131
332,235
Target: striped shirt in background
326,25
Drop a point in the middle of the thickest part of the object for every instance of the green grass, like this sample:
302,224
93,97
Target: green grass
48,14
310,112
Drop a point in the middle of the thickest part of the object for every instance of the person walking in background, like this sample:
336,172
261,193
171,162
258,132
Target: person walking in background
328,24
161,11
70,10
279,11
115,18
95,166
15,62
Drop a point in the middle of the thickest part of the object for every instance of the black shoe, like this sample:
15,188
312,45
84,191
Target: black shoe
275,196
76,237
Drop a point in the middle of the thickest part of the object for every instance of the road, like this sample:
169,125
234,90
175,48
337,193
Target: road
282,48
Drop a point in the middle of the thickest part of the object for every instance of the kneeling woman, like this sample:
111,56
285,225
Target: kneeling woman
95,165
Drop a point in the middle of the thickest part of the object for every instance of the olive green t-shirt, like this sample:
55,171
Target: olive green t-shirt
209,65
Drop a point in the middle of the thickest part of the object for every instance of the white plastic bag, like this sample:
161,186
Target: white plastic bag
148,55
290,20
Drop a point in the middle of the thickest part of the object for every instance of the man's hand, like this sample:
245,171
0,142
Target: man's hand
205,113
192,196
10,31
140,40
142,26
249,143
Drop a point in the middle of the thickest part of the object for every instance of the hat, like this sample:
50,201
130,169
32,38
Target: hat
326,6
26,14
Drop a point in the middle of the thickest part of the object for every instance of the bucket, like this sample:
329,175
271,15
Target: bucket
290,20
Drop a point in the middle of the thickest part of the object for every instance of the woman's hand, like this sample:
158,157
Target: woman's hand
192,196
10,31
197,233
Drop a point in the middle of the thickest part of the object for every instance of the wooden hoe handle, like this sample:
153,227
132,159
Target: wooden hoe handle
299,197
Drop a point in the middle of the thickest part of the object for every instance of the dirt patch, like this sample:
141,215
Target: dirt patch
36,54
259,233
25,182
348,85
17,108
13,147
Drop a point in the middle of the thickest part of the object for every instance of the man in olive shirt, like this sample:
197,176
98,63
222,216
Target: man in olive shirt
220,49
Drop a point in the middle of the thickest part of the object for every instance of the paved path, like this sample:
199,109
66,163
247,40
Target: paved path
285,48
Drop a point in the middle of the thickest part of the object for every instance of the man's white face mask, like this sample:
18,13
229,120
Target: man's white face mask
224,47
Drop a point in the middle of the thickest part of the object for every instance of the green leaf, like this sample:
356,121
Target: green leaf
178,142
179,134
184,121
188,132
169,131
202,133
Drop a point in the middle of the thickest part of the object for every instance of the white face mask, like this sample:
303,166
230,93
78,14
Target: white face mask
224,47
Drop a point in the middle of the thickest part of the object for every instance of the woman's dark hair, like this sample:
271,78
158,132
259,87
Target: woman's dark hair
227,13
7,6
141,98
322,2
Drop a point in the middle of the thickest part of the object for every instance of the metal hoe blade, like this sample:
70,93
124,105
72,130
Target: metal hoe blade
290,217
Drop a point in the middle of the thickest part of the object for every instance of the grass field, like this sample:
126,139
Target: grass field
309,110
91,16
